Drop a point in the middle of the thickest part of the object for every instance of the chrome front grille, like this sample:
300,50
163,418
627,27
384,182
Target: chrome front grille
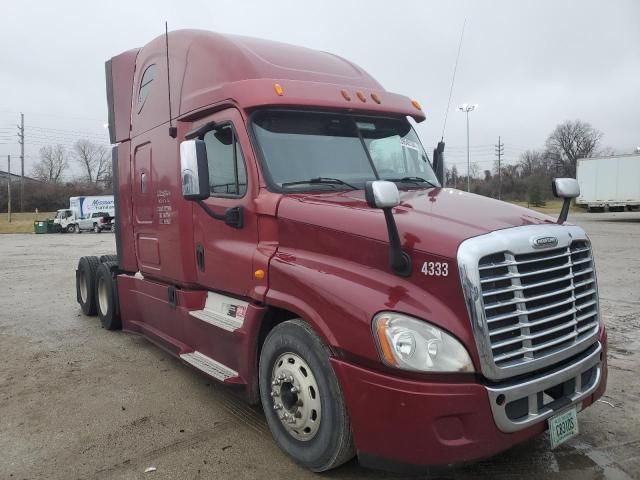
538,303
530,308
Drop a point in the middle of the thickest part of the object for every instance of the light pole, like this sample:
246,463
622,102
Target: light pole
465,107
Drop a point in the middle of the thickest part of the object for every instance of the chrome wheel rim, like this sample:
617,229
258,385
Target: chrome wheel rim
295,396
103,296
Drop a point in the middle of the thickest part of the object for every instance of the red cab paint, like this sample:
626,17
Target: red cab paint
518,325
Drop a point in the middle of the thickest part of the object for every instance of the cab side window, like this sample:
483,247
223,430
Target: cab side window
227,172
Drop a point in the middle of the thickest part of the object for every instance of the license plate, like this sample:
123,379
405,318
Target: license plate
563,426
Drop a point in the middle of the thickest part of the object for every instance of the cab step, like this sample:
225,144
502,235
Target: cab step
224,312
209,366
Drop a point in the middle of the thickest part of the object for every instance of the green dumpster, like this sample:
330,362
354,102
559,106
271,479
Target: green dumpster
53,227
40,226
45,226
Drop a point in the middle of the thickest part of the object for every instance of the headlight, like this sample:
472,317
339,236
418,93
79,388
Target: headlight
411,344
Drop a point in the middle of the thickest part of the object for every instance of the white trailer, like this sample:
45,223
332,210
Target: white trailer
609,183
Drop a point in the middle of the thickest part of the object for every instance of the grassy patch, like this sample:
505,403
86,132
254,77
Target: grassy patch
22,222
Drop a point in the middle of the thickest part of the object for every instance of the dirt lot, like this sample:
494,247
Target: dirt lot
77,401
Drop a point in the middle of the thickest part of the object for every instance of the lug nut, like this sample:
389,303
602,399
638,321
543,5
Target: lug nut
290,379
295,390
274,394
277,407
297,414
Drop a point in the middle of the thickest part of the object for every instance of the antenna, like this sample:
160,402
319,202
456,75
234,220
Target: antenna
173,131
455,68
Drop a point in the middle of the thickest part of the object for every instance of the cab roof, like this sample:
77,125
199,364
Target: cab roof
209,69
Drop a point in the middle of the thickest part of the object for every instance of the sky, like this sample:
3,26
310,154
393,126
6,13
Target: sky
529,65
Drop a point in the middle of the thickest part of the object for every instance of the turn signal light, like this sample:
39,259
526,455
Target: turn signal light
258,274
278,89
416,104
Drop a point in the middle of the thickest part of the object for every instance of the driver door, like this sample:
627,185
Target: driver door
224,254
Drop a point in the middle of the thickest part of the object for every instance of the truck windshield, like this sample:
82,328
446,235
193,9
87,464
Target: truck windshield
327,151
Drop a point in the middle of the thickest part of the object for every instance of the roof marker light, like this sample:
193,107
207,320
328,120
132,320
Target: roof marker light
361,97
345,95
416,104
278,89
376,98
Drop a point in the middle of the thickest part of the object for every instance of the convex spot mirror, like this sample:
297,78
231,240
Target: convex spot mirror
382,194
194,168
565,187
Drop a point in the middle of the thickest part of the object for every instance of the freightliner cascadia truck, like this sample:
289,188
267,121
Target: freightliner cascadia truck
281,228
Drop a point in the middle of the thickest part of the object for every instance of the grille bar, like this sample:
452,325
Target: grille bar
527,274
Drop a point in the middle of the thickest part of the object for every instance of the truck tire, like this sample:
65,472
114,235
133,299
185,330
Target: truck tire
109,258
85,284
96,228
106,298
72,228
302,399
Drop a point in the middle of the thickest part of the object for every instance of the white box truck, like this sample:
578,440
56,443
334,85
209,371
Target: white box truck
83,208
609,183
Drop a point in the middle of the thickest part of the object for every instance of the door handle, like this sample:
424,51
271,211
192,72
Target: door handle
200,257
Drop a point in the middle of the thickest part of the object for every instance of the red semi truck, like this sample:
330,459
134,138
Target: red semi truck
281,228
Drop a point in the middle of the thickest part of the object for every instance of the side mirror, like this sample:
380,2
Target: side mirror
384,195
566,188
194,168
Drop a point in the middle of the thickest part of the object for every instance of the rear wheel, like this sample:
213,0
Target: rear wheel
108,258
72,228
106,300
85,284
302,398
96,228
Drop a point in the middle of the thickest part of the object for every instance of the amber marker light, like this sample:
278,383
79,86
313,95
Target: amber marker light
376,98
258,274
385,347
416,104
345,95
278,89
361,96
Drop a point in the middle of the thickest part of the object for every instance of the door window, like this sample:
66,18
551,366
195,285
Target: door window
227,172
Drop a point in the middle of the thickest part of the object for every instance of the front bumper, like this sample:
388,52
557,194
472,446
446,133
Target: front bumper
412,423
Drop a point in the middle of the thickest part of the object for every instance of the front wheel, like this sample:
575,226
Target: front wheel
96,228
71,228
302,398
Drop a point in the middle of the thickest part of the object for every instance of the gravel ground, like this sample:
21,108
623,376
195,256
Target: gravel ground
77,401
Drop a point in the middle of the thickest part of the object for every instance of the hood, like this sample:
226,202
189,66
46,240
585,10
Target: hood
434,221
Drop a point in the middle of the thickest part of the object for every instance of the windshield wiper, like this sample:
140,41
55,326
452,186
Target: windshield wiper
416,180
320,180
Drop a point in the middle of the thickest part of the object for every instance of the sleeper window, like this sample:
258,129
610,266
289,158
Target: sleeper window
145,85
227,173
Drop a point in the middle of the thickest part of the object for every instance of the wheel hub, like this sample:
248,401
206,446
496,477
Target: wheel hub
295,396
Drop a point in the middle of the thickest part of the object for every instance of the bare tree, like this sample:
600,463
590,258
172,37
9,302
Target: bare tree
52,164
569,141
94,160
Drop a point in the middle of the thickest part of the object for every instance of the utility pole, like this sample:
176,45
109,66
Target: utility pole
9,187
499,153
468,108
21,141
